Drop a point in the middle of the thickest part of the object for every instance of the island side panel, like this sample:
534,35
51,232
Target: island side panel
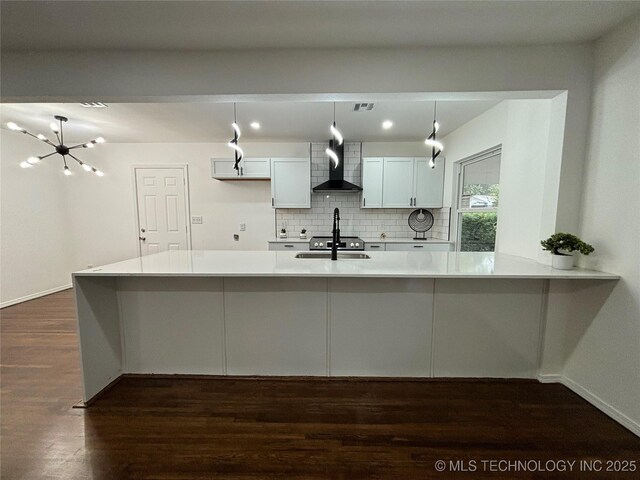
172,325
98,332
381,327
276,326
487,327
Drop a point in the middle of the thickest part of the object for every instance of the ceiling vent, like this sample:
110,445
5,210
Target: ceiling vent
94,105
362,107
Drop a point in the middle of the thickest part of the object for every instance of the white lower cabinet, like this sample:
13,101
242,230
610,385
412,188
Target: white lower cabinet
418,247
276,327
380,327
289,246
152,309
487,328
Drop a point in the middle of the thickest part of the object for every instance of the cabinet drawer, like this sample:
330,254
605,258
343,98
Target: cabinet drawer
418,247
293,246
374,246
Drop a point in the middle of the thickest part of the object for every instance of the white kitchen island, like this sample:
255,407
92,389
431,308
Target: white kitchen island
396,314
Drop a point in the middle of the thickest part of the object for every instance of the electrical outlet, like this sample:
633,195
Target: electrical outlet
196,219
383,226
243,227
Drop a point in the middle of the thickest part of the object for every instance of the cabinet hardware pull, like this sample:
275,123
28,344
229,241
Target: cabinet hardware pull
364,202
289,246
272,201
418,246
375,246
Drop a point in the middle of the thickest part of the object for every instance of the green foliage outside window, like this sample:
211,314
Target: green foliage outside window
478,232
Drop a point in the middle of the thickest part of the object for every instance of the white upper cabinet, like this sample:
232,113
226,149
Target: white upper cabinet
291,182
429,183
401,182
397,189
372,170
255,167
250,169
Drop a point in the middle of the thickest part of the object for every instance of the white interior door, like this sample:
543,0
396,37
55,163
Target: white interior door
162,210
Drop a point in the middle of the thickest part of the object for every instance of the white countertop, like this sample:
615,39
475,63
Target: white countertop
367,240
230,263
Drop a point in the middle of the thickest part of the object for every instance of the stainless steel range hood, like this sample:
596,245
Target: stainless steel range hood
336,182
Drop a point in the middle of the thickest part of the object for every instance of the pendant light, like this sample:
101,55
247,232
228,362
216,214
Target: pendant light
233,143
60,148
337,139
436,146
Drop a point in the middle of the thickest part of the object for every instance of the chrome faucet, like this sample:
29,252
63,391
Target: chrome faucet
336,234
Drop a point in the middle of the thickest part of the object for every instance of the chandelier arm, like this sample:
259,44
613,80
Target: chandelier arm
77,159
46,140
58,137
48,155
78,146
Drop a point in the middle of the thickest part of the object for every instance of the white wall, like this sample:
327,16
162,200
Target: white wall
523,128
605,351
522,179
35,247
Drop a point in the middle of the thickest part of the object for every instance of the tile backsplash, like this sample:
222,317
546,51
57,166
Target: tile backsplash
363,222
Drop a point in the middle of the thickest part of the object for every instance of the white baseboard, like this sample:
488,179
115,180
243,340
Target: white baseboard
8,303
549,378
594,400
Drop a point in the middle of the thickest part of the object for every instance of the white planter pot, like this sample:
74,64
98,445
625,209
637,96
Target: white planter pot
562,262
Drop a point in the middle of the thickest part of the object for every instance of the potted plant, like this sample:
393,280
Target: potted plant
303,234
562,246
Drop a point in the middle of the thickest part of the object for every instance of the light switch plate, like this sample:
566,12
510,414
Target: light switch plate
243,227
196,219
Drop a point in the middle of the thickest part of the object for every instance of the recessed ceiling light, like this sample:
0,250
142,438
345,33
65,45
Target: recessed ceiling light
255,125
387,124
94,105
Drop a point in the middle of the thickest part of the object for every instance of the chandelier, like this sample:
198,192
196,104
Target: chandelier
436,146
233,143
60,149
336,140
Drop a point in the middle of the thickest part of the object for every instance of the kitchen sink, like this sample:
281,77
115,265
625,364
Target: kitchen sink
327,255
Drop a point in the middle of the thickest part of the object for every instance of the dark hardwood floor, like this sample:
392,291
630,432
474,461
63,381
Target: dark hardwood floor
178,428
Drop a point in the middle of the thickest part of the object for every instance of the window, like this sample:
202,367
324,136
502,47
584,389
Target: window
477,203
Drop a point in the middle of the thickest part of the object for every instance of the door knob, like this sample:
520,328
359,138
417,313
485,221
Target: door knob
142,230
142,238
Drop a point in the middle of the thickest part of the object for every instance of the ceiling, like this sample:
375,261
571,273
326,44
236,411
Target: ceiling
204,25
210,122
